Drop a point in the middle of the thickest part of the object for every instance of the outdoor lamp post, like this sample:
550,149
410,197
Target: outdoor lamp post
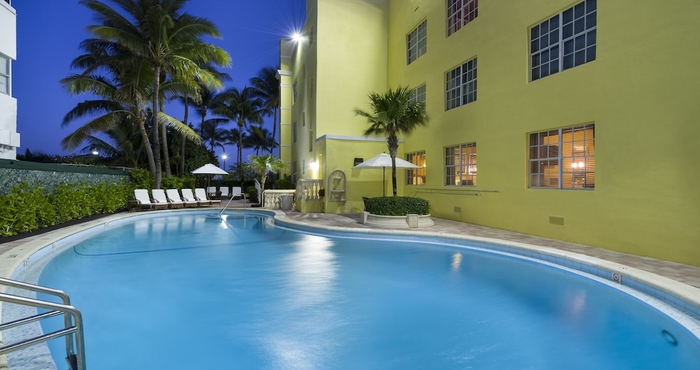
224,156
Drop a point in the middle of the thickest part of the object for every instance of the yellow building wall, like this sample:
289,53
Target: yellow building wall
641,92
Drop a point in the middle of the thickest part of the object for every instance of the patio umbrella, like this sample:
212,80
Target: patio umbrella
209,169
383,161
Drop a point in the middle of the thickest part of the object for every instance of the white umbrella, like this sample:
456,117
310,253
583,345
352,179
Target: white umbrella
209,169
383,161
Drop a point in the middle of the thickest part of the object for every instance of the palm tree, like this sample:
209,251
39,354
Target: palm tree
393,114
259,138
267,87
233,136
212,134
167,40
262,164
242,107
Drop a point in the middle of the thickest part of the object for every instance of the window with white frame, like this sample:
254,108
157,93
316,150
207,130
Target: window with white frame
564,41
459,13
563,158
4,75
418,96
416,176
417,42
460,165
460,85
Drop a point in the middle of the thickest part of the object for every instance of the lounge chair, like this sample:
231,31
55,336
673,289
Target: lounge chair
145,202
159,197
174,196
236,192
202,196
224,192
211,191
188,196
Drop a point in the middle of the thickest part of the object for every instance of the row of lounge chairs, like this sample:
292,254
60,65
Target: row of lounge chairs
223,192
170,198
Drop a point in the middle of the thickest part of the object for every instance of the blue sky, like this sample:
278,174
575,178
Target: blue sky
49,33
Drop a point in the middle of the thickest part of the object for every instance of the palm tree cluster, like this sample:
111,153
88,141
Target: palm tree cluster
144,54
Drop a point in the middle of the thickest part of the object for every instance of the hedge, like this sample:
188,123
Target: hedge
397,206
27,208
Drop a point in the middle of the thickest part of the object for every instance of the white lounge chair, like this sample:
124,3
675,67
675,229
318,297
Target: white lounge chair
144,200
223,190
202,196
211,191
236,192
188,196
174,196
159,197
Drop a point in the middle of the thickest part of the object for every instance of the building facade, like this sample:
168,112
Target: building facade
9,138
573,120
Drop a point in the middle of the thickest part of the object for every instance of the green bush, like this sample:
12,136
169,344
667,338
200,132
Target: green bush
140,179
397,206
173,182
284,183
187,183
27,208
252,194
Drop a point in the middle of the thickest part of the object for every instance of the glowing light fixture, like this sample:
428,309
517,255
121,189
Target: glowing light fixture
297,36
313,165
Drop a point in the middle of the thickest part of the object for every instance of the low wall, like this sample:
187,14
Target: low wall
50,175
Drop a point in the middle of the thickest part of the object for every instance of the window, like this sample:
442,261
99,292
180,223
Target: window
311,140
416,176
4,75
294,131
294,92
563,41
460,85
459,13
418,95
563,158
460,165
417,42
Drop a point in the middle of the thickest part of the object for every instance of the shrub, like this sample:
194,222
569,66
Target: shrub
140,179
28,207
284,183
397,206
252,193
173,182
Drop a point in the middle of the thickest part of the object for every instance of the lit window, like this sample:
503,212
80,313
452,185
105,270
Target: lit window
460,165
460,85
416,176
563,41
417,42
563,158
459,13
4,75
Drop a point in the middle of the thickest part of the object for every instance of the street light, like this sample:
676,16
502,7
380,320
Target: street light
224,156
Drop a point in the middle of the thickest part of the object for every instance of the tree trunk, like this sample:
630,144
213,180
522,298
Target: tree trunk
274,132
164,139
393,145
181,167
240,150
147,147
154,122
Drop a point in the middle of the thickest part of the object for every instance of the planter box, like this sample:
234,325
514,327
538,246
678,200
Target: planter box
396,222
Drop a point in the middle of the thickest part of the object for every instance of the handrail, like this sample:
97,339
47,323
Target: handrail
73,321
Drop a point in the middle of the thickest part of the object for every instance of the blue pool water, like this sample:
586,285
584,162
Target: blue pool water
192,291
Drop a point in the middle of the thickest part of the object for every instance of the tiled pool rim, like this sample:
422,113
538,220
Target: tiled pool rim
667,295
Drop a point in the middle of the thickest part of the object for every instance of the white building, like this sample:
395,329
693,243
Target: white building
9,138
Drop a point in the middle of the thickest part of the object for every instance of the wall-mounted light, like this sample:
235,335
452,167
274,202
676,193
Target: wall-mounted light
313,165
297,36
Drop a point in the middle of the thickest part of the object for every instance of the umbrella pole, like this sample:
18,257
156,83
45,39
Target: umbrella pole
384,181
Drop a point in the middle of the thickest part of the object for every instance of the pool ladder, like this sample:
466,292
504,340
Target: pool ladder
72,319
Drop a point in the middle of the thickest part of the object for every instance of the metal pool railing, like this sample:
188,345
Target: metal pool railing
72,319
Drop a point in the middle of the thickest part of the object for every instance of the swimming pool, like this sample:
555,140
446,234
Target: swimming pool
191,290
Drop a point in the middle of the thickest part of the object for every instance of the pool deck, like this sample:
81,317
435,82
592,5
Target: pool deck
686,274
